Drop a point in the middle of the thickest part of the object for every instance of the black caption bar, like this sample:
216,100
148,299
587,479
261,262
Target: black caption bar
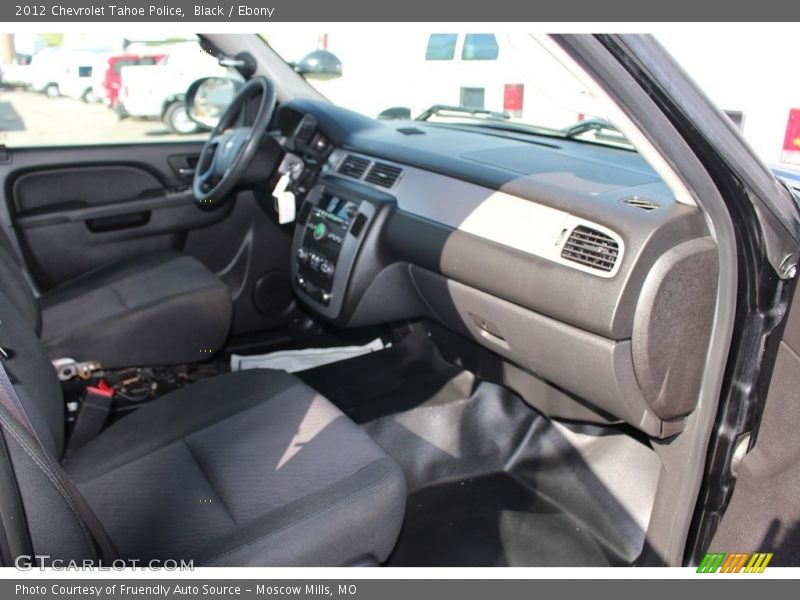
605,11
387,589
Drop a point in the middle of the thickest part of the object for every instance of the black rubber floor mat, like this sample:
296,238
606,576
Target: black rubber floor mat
492,482
492,521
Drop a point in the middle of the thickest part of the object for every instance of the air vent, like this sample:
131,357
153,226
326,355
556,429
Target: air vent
383,175
353,166
639,202
591,248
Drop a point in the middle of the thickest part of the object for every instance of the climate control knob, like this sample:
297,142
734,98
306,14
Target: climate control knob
327,269
302,255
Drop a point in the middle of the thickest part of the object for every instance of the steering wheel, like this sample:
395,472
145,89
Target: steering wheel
229,150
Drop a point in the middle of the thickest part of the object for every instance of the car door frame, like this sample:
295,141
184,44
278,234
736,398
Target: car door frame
754,223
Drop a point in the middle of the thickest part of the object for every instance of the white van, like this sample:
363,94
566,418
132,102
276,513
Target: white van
157,91
79,76
479,71
46,67
58,71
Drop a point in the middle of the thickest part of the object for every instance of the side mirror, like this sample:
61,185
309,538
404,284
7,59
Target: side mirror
320,65
207,99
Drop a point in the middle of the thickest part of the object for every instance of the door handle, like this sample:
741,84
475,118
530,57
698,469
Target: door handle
183,164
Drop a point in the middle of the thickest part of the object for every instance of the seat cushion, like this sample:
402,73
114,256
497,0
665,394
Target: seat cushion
163,308
247,469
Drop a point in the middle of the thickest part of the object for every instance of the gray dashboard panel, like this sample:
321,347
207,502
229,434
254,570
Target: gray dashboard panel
599,305
508,243
476,219
587,175
588,365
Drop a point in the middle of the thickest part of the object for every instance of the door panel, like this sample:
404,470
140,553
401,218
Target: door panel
48,189
69,210
76,209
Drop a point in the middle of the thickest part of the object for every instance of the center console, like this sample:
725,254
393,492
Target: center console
330,228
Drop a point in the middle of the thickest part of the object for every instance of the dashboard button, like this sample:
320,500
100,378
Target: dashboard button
302,255
319,231
327,269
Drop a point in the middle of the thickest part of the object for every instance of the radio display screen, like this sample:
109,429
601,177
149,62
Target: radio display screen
338,207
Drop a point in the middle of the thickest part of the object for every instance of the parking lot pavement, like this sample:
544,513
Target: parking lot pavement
31,119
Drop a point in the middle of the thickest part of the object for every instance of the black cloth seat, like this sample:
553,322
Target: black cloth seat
158,309
252,468
246,469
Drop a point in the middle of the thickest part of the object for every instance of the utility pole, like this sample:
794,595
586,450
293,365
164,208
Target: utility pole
7,52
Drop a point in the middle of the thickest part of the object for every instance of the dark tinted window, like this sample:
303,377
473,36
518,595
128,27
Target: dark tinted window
473,97
441,46
480,46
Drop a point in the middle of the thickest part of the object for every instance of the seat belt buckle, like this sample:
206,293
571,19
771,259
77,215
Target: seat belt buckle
92,414
102,390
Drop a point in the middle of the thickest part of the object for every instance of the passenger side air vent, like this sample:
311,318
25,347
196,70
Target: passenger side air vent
353,166
383,175
639,202
591,248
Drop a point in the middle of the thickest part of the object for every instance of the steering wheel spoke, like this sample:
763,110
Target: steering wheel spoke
206,177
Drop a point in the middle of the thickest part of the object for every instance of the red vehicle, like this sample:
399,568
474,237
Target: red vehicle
112,78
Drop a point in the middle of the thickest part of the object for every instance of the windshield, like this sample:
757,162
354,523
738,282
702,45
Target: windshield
503,80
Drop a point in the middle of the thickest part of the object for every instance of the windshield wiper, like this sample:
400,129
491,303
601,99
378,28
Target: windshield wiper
603,130
443,109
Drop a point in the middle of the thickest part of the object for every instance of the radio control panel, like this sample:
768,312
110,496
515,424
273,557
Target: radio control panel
327,235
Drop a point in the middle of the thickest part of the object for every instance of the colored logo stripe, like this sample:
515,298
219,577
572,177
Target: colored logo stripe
734,562
758,562
711,562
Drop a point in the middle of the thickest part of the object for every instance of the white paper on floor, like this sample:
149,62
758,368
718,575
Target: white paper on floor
293,361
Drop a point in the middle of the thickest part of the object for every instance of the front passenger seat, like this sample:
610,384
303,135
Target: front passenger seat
252,468
164,308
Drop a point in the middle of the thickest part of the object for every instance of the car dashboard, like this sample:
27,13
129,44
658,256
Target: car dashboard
570,261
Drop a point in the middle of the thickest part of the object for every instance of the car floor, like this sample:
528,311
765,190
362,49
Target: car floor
491,481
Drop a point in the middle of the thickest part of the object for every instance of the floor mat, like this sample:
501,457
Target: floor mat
494,483
494,521
491,481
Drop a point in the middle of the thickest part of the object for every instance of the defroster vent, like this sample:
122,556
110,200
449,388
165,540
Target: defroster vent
642,203
592,248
